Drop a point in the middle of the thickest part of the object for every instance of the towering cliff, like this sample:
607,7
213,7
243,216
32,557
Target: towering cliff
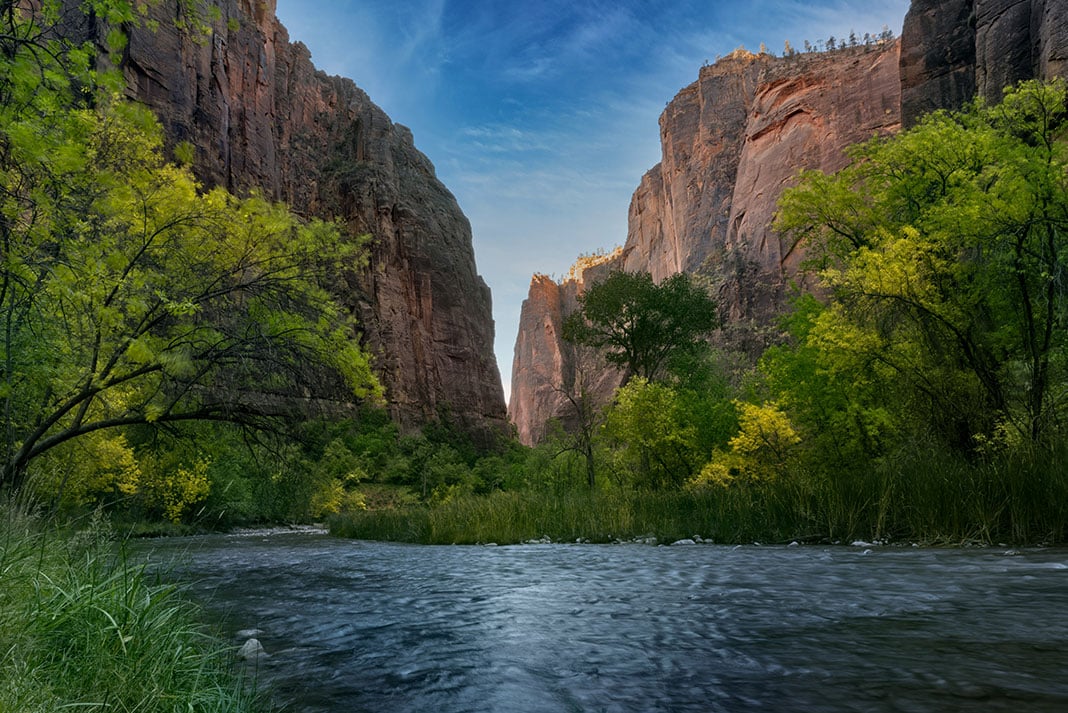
262,117
954,50
545,367
731,142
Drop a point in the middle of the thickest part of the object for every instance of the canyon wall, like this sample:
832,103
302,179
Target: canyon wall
262,117
736,137
731,142
548,371
954,50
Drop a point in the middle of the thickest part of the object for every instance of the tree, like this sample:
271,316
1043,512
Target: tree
945,250
128,295
656,441
640,325
582,422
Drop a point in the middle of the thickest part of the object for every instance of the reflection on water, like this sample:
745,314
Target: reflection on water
357,626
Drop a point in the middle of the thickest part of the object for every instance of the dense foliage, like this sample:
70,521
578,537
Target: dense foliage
640,325
943,252
132,297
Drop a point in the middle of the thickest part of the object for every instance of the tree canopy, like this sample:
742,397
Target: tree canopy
944,251
641,325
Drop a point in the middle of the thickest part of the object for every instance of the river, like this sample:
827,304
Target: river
354,626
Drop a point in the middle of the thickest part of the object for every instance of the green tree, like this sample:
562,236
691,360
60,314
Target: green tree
655,438
641,325
944,250
128,295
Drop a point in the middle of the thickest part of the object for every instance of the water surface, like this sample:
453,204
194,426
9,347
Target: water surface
356,626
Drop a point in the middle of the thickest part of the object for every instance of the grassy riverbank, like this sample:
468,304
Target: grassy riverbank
83,629
930,501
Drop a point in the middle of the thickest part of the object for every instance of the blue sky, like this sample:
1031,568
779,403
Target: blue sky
541,115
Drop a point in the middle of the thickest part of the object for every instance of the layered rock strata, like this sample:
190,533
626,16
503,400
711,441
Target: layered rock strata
263,118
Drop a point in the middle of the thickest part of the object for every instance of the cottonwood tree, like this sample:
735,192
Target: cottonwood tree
640,325
129,295
945,252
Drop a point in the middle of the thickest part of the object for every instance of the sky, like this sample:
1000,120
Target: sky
540,116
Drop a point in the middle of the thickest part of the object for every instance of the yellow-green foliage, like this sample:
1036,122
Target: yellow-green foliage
942,255
654,438
84,472
760,451
175,491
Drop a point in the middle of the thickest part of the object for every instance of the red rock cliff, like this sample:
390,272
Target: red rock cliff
731,142
261,116
543,363
733,139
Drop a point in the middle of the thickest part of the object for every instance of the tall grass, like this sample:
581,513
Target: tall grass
82,629
917,497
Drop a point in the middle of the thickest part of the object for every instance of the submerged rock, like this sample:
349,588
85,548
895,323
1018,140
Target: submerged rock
252,650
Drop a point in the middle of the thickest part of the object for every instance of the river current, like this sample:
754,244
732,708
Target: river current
353,626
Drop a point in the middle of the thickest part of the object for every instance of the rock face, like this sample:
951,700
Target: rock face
954,50
262,117
545,367
731,142
735,138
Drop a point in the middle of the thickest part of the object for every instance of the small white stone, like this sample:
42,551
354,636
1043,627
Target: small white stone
686,541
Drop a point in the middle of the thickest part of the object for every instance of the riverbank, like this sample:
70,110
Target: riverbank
81,628
939,506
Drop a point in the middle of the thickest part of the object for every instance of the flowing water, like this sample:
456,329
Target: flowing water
356,626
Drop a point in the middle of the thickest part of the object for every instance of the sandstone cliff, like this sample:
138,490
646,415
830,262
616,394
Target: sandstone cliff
731,142
261,116
733,139
954,50
546,369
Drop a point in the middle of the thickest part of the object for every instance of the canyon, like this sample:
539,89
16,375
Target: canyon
734,139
